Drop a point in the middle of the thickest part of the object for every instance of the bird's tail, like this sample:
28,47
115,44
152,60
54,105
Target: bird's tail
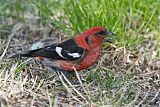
30,53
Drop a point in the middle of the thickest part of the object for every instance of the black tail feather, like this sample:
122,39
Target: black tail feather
20,55
26,54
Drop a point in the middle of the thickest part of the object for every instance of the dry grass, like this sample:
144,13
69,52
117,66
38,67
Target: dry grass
121,77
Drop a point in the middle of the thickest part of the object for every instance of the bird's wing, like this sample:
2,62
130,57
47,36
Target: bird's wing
67,50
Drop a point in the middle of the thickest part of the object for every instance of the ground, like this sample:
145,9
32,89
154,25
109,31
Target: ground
26,82
127,74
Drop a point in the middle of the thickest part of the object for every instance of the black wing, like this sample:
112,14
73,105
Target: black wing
67,50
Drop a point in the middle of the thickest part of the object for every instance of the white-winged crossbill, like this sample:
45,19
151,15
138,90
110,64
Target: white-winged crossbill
79,52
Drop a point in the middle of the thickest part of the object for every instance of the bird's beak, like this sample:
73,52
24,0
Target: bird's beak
111,33
109,39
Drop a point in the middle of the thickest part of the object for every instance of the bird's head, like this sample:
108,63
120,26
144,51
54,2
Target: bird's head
97,35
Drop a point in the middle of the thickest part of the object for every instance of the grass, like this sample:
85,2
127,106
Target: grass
128,19
125,76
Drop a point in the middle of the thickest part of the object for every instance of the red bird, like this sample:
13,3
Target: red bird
79,52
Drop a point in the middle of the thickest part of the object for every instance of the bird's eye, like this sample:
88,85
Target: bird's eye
103,32
87,40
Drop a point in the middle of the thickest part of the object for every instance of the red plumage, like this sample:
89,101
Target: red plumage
79,52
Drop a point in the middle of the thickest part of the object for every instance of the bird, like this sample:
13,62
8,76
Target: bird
77,53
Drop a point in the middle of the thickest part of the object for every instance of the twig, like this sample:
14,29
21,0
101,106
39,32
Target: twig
74,88
5,50
77,75
67,88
